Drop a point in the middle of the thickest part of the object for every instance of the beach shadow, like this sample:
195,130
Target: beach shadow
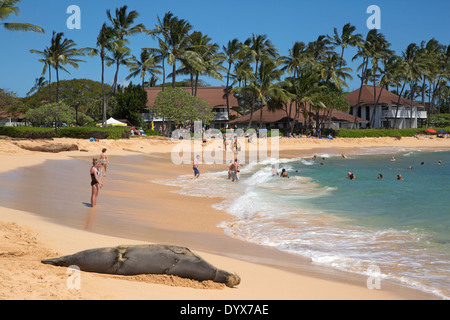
87,204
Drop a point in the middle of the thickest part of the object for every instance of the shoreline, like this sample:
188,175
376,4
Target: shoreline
345,288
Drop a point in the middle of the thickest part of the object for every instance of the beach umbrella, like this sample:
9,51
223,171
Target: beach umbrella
442,131
431,130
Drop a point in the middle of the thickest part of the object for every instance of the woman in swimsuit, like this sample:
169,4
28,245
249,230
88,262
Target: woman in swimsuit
95,182
104,161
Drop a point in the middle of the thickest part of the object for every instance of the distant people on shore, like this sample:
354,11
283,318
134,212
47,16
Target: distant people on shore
104,160
195,166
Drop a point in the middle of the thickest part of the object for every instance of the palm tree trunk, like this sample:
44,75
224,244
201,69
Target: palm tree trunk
363,73
196,83
398,104
57,84
50,83
105,105
173,75
372,121
227,92
115,78
251,116
261,115
164,75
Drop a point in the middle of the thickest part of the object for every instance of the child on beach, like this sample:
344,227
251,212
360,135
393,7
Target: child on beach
95,181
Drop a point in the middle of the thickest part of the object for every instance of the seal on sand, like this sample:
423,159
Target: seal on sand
146,259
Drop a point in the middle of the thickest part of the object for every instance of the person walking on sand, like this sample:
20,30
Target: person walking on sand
95,181
104,161
195,167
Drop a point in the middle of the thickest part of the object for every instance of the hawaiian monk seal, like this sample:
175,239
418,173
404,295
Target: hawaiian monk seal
146,259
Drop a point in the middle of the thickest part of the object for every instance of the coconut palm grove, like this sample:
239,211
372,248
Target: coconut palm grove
311,77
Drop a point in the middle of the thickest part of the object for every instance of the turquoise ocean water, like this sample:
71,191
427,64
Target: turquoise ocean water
391,229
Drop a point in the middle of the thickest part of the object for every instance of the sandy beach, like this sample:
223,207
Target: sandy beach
30,233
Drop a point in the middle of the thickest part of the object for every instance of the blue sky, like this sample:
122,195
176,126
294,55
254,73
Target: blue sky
283,21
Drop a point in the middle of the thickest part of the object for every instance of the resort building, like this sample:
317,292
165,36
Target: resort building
11,120
214,96
384,109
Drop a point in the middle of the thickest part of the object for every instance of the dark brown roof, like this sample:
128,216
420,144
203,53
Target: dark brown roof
214,96
367,97
4,114
281,116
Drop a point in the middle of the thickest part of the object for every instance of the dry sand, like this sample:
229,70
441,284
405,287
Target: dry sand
26,237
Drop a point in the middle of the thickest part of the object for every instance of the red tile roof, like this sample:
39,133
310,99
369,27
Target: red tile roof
367,97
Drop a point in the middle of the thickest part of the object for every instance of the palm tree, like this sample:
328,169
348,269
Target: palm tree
333,71
242,75
208,61
414,69
372,48
298,56
47,59
8,7
174,37
160,55
304,89
38,84
140,67
319,49
122,25
58,55
346,39
232,51
265,91
63,53
259,46
105,42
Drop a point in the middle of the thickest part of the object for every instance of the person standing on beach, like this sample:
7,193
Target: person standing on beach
234,170
195,167
95,181
104,161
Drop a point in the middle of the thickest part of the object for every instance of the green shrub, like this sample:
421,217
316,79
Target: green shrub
94,132
66,132
152,133
27,132
376,133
